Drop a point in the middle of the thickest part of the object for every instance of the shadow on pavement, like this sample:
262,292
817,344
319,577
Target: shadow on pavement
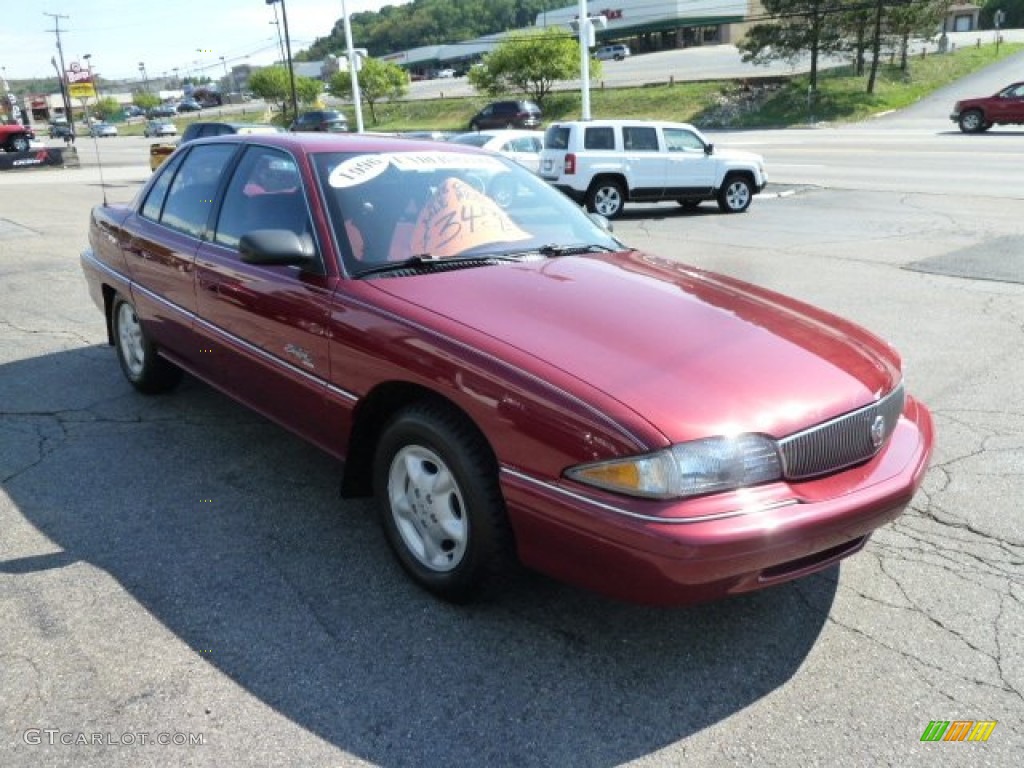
231,533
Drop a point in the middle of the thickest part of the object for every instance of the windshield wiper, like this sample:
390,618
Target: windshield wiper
428,260
552,250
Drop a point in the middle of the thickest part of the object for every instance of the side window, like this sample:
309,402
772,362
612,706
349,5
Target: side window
191,194
525,144
681,140
158,192
599,138
640,138
264,193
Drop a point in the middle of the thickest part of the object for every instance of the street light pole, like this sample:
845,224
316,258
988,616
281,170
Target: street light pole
93,78
353,69
584,59
145,78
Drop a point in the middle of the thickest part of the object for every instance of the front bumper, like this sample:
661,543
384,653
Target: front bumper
772,535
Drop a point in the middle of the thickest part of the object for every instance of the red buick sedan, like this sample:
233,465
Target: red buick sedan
504,376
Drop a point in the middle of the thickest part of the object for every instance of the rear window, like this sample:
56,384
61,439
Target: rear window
556,137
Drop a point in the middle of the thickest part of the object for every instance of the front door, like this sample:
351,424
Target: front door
689,169
263,328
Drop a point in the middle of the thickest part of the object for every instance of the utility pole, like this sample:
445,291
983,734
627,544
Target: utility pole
288,51
60,75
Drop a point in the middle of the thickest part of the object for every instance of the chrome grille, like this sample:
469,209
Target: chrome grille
842,442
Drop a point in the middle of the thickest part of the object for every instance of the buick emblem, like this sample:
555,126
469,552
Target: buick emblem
878,431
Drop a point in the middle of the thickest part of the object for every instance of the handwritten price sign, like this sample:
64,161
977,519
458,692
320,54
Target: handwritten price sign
458,218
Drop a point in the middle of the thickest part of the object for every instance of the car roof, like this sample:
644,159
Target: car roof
621,122
313,143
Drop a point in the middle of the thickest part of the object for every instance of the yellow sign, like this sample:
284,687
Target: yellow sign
81,90
459,218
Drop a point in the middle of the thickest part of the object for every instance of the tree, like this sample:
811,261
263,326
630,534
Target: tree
145,100
272,85
798,27
1014,10
530,64
377,80
918,18
308,90
107,107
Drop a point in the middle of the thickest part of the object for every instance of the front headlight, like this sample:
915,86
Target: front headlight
699,467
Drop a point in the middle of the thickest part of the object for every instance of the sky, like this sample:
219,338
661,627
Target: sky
163,34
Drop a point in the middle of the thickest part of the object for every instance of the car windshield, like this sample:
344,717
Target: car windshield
473,139
434,206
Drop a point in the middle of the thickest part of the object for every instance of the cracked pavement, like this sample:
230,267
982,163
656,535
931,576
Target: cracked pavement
177,564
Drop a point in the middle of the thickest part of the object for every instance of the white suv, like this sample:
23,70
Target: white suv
612,52
605,163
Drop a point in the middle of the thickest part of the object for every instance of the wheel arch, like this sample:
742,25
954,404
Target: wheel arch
743,173
370,417
607,176
109,294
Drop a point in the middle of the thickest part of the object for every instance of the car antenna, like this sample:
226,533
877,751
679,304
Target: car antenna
99,161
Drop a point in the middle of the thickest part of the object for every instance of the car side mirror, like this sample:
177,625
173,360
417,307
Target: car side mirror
276,248
709,149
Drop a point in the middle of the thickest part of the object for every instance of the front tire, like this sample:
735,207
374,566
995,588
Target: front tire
606,198
735,194
18,144
142,366
972,121
436,484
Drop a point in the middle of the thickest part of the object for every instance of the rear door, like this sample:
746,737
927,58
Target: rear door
645,162
165,236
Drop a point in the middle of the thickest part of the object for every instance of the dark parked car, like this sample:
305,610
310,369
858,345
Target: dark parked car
60,131
164,110
490,363
507,114
980,114
189,105
326,121
201,130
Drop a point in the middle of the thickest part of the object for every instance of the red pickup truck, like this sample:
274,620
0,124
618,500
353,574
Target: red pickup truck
14,137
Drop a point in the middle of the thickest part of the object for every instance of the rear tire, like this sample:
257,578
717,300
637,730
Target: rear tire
142,366
18,144
606,197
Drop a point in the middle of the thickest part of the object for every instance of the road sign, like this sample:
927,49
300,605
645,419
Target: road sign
81,90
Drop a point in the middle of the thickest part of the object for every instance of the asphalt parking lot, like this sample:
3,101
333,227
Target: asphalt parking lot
178,570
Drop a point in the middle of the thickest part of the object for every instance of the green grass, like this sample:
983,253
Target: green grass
771,102
783,101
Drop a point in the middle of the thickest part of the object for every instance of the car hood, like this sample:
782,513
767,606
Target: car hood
691,352
738,155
